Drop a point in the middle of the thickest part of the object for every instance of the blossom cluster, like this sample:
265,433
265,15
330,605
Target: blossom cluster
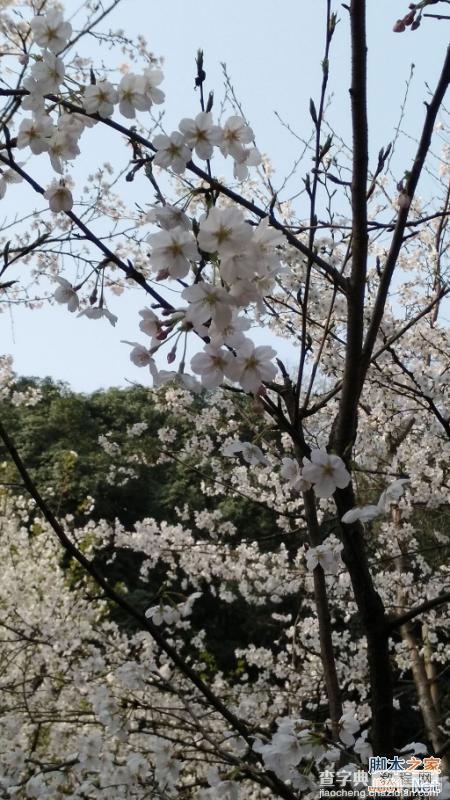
134,93
324,472
243,258
217,272
114,711
200,135
247,260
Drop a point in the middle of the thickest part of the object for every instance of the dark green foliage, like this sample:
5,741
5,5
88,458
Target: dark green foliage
58,441
64,422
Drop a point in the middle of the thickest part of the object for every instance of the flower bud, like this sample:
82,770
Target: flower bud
399,26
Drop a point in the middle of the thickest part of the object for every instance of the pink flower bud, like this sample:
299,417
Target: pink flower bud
409,19
399,26
171,356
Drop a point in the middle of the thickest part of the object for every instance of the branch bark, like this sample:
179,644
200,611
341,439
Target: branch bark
343,435
346,421
324,618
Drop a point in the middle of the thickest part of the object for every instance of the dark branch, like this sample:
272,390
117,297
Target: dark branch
416,611
331,272
410,188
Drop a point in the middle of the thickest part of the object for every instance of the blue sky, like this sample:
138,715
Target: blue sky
273,53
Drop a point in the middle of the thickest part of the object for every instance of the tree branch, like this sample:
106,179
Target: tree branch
128,268
324,618
346,421
397,238
416,611
331,272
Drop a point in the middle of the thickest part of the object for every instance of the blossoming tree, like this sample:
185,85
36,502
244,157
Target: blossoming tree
349,450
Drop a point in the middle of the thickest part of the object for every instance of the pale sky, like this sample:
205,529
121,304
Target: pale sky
273,53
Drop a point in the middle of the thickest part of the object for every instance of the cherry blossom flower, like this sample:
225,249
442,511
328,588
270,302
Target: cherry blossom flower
73,125
348,725
132,95
163,376
232,334
225,231
212,365
250,157
51,31
284,752
35,133
65,293
392,493
326,472
415,749
200,134
100,98
7,177
59,197
163,614
251,453
237,267
236,134
167,768
185,608
404,201
290,471
172,251
152,78
207,302
252,365
150,323
140,355
245,292
362,747
263,247
370,512
98,312
62,148
219,789
34,101
172,152
362,513
48,73
327,555
168,217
